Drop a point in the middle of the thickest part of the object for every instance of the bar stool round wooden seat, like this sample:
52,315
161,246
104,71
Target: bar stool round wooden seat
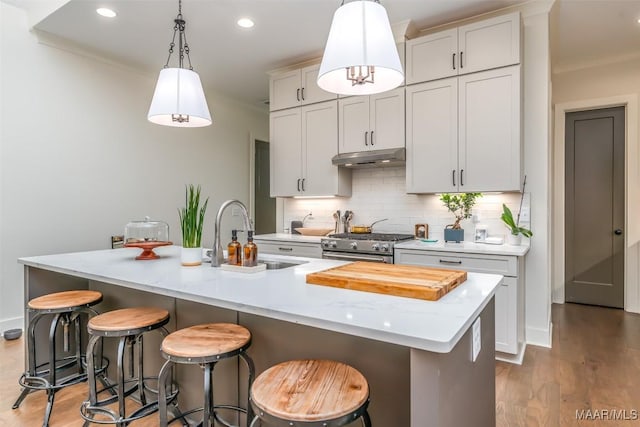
128,325
310,393
66,308
205,345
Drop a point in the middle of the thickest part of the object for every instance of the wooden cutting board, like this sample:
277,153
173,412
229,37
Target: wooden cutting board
392,279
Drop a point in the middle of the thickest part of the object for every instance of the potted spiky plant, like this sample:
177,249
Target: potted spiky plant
460,206
191,224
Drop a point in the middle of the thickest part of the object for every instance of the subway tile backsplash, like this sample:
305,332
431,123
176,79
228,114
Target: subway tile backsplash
380,193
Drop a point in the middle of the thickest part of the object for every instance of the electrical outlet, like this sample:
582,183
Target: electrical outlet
476,341
525,214
235,211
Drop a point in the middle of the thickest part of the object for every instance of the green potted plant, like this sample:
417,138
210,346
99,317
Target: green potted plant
516,232
460,206
191,223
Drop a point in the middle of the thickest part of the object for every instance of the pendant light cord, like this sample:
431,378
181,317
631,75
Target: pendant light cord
183,46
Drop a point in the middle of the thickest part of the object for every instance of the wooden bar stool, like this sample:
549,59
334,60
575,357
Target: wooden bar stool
205,345
310,393
66,308
128,325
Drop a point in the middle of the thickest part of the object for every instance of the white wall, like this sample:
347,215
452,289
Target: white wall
588,86
78,159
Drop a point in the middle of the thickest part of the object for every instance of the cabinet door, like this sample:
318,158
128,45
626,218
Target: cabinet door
489,130
432,57
353,124
386,119
320,144
284,90
507,316
432,137
285,152
311,92
489,44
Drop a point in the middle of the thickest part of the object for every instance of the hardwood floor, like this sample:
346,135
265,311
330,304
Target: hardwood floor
594,365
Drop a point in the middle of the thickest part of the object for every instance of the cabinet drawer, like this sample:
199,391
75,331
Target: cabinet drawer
507,316
493,264
293,249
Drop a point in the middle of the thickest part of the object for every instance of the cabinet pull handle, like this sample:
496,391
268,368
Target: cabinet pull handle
371,138
303,183
298,184
365,138
453,60
461,177
302,91
285,249
461,64
446,261
453,177
298,94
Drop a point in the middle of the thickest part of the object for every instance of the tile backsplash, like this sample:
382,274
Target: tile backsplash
380,193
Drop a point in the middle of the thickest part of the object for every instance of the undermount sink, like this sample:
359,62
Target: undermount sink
279,265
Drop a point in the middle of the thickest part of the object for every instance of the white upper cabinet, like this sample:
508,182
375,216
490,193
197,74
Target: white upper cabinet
483,45
295,88
302,142
373,122
463,133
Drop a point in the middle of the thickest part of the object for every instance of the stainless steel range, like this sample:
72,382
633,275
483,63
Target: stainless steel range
376,247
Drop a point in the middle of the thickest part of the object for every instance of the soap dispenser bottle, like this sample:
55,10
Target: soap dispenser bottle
235,249
250,251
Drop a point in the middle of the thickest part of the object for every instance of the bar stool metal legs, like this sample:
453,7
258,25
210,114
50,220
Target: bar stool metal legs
57,373
133,383
215,342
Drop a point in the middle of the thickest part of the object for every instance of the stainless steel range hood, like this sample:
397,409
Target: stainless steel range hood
371,159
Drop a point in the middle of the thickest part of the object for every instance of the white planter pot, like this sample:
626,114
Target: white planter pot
191,257
514,239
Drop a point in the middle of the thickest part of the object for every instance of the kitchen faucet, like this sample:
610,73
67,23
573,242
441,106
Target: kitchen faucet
217,256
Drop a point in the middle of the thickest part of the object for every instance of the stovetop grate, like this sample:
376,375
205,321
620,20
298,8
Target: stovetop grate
387,237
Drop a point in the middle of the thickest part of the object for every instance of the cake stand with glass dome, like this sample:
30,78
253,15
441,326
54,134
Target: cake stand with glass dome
146,235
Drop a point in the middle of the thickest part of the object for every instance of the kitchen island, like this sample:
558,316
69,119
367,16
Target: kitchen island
417,355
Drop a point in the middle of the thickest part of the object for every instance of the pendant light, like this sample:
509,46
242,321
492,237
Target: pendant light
360,57
178,99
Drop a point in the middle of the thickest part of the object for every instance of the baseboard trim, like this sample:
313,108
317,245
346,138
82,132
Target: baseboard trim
516,359
540,337
13,323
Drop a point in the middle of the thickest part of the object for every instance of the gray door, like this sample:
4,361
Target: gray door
594,207
265,205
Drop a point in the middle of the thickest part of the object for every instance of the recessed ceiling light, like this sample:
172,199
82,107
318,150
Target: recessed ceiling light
107,13
245,23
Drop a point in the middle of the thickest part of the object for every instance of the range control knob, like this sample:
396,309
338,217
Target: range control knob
385,247
325,244
333,244
354,245
375,247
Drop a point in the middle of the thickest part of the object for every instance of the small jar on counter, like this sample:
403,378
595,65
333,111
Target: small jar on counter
250,251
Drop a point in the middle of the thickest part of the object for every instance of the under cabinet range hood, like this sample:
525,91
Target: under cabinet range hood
371,159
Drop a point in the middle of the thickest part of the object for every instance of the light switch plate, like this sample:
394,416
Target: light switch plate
525,214
475,339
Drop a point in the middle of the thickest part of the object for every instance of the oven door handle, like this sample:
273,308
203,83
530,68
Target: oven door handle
355,257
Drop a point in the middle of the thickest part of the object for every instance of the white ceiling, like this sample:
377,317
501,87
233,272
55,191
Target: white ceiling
234,61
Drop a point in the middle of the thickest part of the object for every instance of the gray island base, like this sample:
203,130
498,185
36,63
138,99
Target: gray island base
417,355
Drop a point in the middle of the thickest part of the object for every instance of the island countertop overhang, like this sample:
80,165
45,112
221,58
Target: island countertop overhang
284,295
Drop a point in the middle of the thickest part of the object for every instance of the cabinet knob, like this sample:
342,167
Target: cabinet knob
617,231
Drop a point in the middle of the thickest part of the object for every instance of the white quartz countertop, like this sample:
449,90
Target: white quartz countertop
464,247
284,294
288,238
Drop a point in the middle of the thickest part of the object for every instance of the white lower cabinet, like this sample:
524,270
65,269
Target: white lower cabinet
509,298
308,250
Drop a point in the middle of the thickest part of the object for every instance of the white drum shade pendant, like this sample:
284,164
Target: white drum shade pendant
360,57
178,99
